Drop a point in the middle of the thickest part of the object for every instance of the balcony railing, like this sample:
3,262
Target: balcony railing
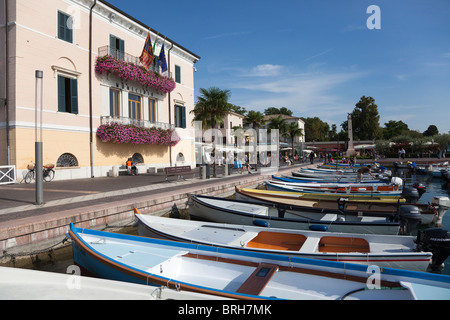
137,123
120,55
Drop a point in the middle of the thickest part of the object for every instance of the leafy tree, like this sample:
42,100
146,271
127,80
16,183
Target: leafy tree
365,119
394,128
316,129
431,131
274,110
238,109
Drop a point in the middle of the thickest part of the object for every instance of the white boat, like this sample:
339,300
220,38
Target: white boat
245,275
23,284
241,212
436,170
399,252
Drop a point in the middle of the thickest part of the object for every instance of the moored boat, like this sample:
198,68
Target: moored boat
233,273
243,212
431,214
23,284
333,194
399,252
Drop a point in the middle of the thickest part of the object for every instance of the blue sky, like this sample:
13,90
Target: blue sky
316,57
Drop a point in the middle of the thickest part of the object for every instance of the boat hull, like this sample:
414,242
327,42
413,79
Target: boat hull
240,213
342,247
236,274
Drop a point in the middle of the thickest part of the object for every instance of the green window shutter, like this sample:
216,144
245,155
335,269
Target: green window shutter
177,74
61,94
74,95
176,115
183,117
64,31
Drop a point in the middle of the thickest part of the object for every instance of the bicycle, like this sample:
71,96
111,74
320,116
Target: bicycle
48,173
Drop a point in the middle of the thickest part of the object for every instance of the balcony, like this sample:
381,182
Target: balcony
123,56
105,120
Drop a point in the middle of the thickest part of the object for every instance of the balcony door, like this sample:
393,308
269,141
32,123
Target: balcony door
134,107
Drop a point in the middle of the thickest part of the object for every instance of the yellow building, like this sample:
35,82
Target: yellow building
82,96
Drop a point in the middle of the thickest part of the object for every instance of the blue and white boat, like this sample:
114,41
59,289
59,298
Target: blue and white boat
295,187
231,273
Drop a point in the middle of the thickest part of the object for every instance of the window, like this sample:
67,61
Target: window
114,103
67,160
134,107
177,74
67,95
117,47
180,117
65,23
152,110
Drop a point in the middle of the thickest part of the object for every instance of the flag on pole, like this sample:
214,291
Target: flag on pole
162,60
147,55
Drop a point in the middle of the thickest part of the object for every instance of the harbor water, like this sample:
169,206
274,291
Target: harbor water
59,260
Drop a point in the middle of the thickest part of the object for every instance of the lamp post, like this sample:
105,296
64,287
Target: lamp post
38,139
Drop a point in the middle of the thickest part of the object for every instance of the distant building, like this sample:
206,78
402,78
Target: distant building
54,36
285,142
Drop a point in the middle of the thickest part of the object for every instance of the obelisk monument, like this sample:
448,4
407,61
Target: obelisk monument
350,150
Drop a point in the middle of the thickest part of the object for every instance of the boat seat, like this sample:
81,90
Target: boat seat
311,244
329,217
258,280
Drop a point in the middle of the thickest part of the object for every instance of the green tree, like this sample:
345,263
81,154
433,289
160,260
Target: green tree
211,107
316,129
274,110
293,131
255,119
431,131
366,120
394,128
278,123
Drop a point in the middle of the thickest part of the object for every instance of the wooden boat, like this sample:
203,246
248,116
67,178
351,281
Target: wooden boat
384,251
431,215
242,212
347,188
244,275
292,187
23,284
343,179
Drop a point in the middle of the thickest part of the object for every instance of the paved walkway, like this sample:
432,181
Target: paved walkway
98,201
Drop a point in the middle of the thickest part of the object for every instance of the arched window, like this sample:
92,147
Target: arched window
180,157
137,158
67,160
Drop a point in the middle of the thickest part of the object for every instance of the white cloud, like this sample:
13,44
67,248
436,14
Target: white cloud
306,94
265,70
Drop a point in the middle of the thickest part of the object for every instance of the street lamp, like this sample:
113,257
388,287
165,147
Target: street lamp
38,139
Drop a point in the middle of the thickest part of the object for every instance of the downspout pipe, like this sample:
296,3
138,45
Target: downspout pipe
170,103
8,147
91,129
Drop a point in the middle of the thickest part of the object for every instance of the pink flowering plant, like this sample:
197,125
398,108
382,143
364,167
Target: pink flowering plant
119,133
129,71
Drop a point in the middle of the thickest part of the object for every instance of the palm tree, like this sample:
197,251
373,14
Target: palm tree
211,107
255,119
293,131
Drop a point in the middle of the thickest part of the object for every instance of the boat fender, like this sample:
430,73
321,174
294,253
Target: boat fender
261,223
316,227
